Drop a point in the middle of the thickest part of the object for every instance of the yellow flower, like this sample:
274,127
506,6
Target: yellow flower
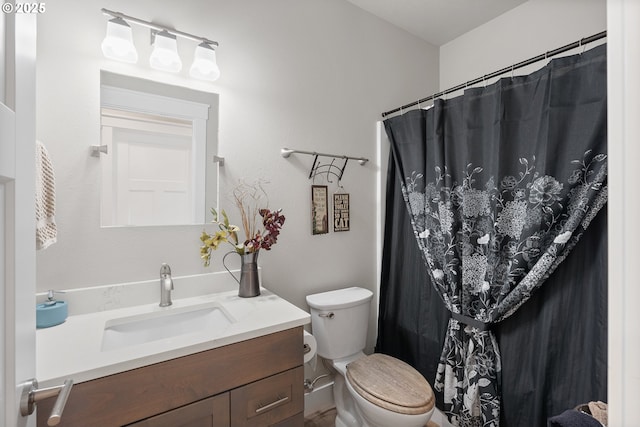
211,242
220,236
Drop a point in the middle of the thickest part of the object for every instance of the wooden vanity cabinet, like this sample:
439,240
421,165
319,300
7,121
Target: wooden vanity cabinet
257,382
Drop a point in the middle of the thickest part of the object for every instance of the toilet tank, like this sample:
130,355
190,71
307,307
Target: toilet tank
339,321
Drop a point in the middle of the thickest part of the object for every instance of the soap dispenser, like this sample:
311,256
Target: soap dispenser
51,312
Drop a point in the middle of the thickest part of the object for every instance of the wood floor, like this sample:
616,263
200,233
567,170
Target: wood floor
322,419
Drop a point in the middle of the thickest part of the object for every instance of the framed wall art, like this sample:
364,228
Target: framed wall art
341,212
319,210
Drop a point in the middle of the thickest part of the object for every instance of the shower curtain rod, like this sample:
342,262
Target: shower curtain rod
530,61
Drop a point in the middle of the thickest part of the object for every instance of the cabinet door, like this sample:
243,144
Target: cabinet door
211,412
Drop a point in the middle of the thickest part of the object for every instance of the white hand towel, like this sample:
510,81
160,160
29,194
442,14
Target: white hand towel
46,229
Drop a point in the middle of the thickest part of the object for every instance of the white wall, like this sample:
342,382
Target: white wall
624,132
529,30
305,74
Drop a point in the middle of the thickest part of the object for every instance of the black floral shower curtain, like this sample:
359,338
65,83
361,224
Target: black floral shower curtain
499,185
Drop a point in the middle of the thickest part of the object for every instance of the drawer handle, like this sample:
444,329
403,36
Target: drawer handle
272,404
31,395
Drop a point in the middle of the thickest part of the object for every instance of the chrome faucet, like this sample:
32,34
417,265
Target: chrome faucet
166,285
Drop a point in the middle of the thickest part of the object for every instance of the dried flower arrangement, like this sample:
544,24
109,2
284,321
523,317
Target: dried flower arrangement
261,226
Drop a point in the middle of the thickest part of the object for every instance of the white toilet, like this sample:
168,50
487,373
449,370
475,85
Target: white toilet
369,391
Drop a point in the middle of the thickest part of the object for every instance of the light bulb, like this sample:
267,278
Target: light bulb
204,63
118,43
165,53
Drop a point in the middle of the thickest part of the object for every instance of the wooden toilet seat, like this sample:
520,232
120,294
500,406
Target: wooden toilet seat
391,384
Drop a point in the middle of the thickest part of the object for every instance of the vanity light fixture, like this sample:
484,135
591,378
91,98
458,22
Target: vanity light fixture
118,43
204,65
165,55
165,52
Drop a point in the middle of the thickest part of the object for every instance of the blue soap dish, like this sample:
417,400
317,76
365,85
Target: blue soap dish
51,313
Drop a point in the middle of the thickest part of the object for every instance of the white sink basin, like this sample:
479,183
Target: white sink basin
162,324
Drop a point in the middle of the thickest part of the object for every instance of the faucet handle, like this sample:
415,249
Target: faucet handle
165,270
166,285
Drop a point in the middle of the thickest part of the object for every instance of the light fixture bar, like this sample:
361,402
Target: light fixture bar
158,27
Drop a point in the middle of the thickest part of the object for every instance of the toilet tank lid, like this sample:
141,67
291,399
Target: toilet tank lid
341,298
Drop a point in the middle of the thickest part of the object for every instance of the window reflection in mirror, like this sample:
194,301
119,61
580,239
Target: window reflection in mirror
160,141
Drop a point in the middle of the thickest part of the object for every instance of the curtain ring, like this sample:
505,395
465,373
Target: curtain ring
511,71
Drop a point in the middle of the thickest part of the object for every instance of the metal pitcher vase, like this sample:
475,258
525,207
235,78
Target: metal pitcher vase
249,281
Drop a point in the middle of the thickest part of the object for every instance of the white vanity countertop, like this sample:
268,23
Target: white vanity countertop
73,349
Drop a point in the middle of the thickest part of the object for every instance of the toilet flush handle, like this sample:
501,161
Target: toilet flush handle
330,315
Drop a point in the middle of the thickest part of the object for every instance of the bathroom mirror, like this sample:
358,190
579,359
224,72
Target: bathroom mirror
157,152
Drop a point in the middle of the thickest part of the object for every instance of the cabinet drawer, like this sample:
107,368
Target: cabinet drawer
268,401
212,412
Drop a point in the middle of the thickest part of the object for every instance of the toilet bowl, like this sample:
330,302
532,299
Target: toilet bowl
369,391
